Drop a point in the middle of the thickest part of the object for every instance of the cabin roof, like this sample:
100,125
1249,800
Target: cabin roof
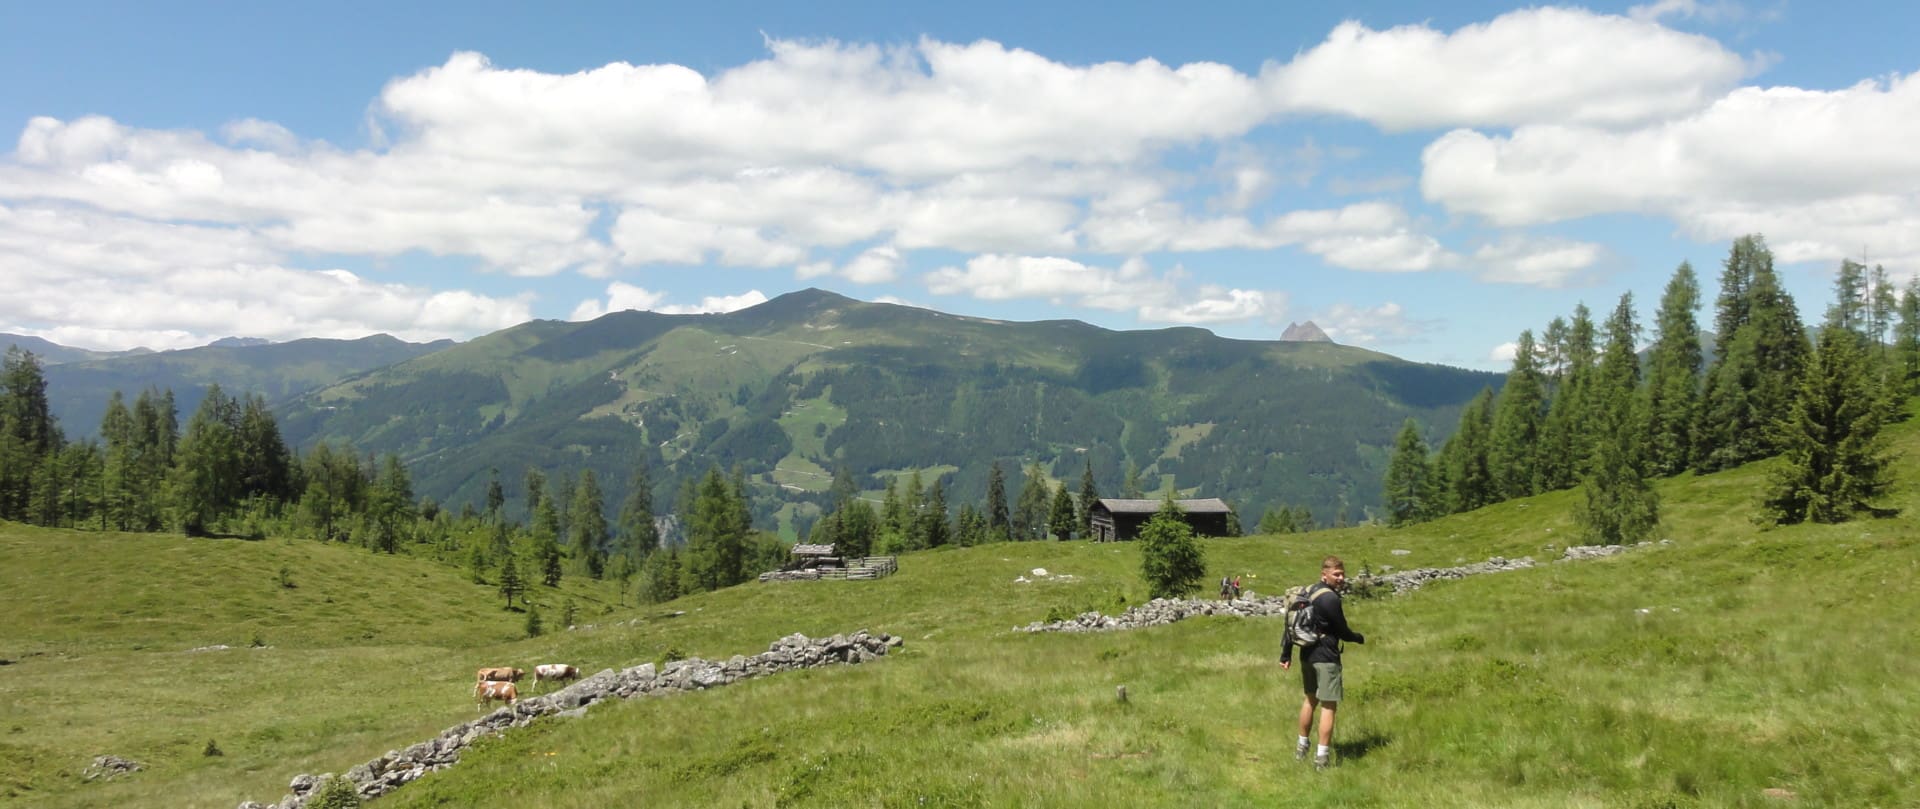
1208,505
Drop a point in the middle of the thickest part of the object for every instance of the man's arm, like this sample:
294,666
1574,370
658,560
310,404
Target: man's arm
1336,620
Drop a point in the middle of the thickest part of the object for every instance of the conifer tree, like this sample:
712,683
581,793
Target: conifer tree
511,585
535,482
496,496
1171,560
1835,461
1906,336
1753,383
28,433
1061,523
590,525
998,520
1850,294
1030,511
660,577
638,535
1089,494
1130,488
914,501
933,519
121,481
1566,437
1617,505
1518,418
1409,485
206,477
266,465
1673,375
716,542
1465,456
969,528
1277,521
1882,301
893,512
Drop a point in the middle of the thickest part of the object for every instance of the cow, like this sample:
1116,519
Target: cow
554,672
501,674
486,691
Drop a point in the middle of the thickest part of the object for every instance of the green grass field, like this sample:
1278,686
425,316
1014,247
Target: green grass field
1734,667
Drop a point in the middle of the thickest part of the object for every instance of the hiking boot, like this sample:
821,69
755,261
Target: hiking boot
1300,753
1321,762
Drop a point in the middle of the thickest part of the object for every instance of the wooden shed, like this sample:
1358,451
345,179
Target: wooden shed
1114,519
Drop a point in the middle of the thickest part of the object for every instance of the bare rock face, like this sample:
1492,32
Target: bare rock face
1305,333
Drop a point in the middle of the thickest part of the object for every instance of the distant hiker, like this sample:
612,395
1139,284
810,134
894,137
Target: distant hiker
1236,587
1317,625
1226,585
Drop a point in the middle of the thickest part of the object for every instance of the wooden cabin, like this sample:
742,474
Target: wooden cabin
1115,519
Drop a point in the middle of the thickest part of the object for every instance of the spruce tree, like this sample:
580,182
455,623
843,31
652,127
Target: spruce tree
1409,485
1089,494
511,585
1171,561
1617,505
716,541
535,483
496,496
121,483
933,520
206,476
638,535
1850,294
1030,511
998,520
969,528
28,433
590,535
1131,487
1906,336
1518,419
1061,522
1836,462
1760,360
1566,437
1465,456
914,501
1673,375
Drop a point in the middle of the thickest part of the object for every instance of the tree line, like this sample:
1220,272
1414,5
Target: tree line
1581,408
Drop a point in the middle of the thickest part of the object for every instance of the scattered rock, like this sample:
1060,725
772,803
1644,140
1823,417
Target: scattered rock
1040,571
1400,552
111,767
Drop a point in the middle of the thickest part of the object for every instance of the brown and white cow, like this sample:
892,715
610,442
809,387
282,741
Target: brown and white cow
486,691
554,672
503,674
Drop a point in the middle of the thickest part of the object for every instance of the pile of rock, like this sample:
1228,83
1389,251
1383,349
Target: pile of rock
398,767
110,767
1167,610
790,575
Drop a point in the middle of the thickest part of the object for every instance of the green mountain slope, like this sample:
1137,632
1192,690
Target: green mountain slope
78,391
52,353
811,381
1734,667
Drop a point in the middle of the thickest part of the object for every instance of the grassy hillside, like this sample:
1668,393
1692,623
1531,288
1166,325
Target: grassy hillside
1702,673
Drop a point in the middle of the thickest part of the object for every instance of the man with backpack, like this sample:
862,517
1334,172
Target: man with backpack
1317,625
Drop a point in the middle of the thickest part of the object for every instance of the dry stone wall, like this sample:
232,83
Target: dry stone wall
398,767
1168,610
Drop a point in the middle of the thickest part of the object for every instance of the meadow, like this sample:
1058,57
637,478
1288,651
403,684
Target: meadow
1736,666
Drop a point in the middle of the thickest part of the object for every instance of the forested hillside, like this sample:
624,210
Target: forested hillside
809,383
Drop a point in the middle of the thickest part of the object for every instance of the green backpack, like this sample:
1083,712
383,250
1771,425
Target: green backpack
1302,624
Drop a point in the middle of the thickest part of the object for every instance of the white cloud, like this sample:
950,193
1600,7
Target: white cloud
1504,352
1842,176
717,303
621,296
1532,65
1712,12
1550,263
1131,287
1385,324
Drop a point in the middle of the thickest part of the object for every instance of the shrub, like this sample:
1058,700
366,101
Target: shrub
336,793
534,627
286,577
1171,561
211,750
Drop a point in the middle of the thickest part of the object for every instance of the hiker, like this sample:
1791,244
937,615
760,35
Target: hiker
1236,587
1225,587
1320,659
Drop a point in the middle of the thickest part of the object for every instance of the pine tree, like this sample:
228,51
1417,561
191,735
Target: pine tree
1882,301
1061,521
28,433
1753,383
1278,521
589,522
1409,485
969,528
266,465
933,520
914,500
1465,456
511,585
716,544
1518,419
1617,507
1566,437
998,520
1030,511
496,496
893,512
1906,336
638,535
206,477
1835,461
1849,309
1171,561
660,577
535,483
1673,376
1089,494
117,430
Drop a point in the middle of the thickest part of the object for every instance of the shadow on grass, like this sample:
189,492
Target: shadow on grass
1356,749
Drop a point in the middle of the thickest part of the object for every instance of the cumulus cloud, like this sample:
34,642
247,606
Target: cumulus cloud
1550,263
1711,12
1385,324
1130,287
717,303
1532,65
621,296
1843,175
1504,352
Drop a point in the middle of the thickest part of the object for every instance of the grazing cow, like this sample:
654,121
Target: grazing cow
554,672
502,674
486,691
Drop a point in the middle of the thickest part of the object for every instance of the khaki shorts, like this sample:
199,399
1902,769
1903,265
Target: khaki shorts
1322,681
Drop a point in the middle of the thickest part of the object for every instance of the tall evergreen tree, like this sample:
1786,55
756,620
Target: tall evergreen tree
1882,301
660,577
206,477
998,520
1060,522
716,541
893,511
1906,335
1617,505
1030,511
1760,362
535,482
120,484
1089,494
933,519
1518,418
1465,456
1130,488
1673,375
969,528
1850,298
1566,437
638,535
496,496
28,433
914,501
511,584
590,535
1409,484
1836,462
266,465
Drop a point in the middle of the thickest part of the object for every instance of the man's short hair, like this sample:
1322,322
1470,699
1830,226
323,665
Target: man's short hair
1332,562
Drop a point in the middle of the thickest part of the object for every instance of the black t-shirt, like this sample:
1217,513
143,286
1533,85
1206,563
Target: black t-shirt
1333,629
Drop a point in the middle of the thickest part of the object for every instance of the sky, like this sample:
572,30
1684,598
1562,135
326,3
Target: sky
1426,180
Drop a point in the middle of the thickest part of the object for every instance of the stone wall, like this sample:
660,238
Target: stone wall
1168,610
398,767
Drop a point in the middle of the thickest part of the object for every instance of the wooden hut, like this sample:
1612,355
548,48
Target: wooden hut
1115,519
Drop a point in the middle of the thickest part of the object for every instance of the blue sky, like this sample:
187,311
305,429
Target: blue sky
1422,180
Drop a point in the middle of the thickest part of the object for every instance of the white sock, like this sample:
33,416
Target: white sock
1322,752
1303,743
